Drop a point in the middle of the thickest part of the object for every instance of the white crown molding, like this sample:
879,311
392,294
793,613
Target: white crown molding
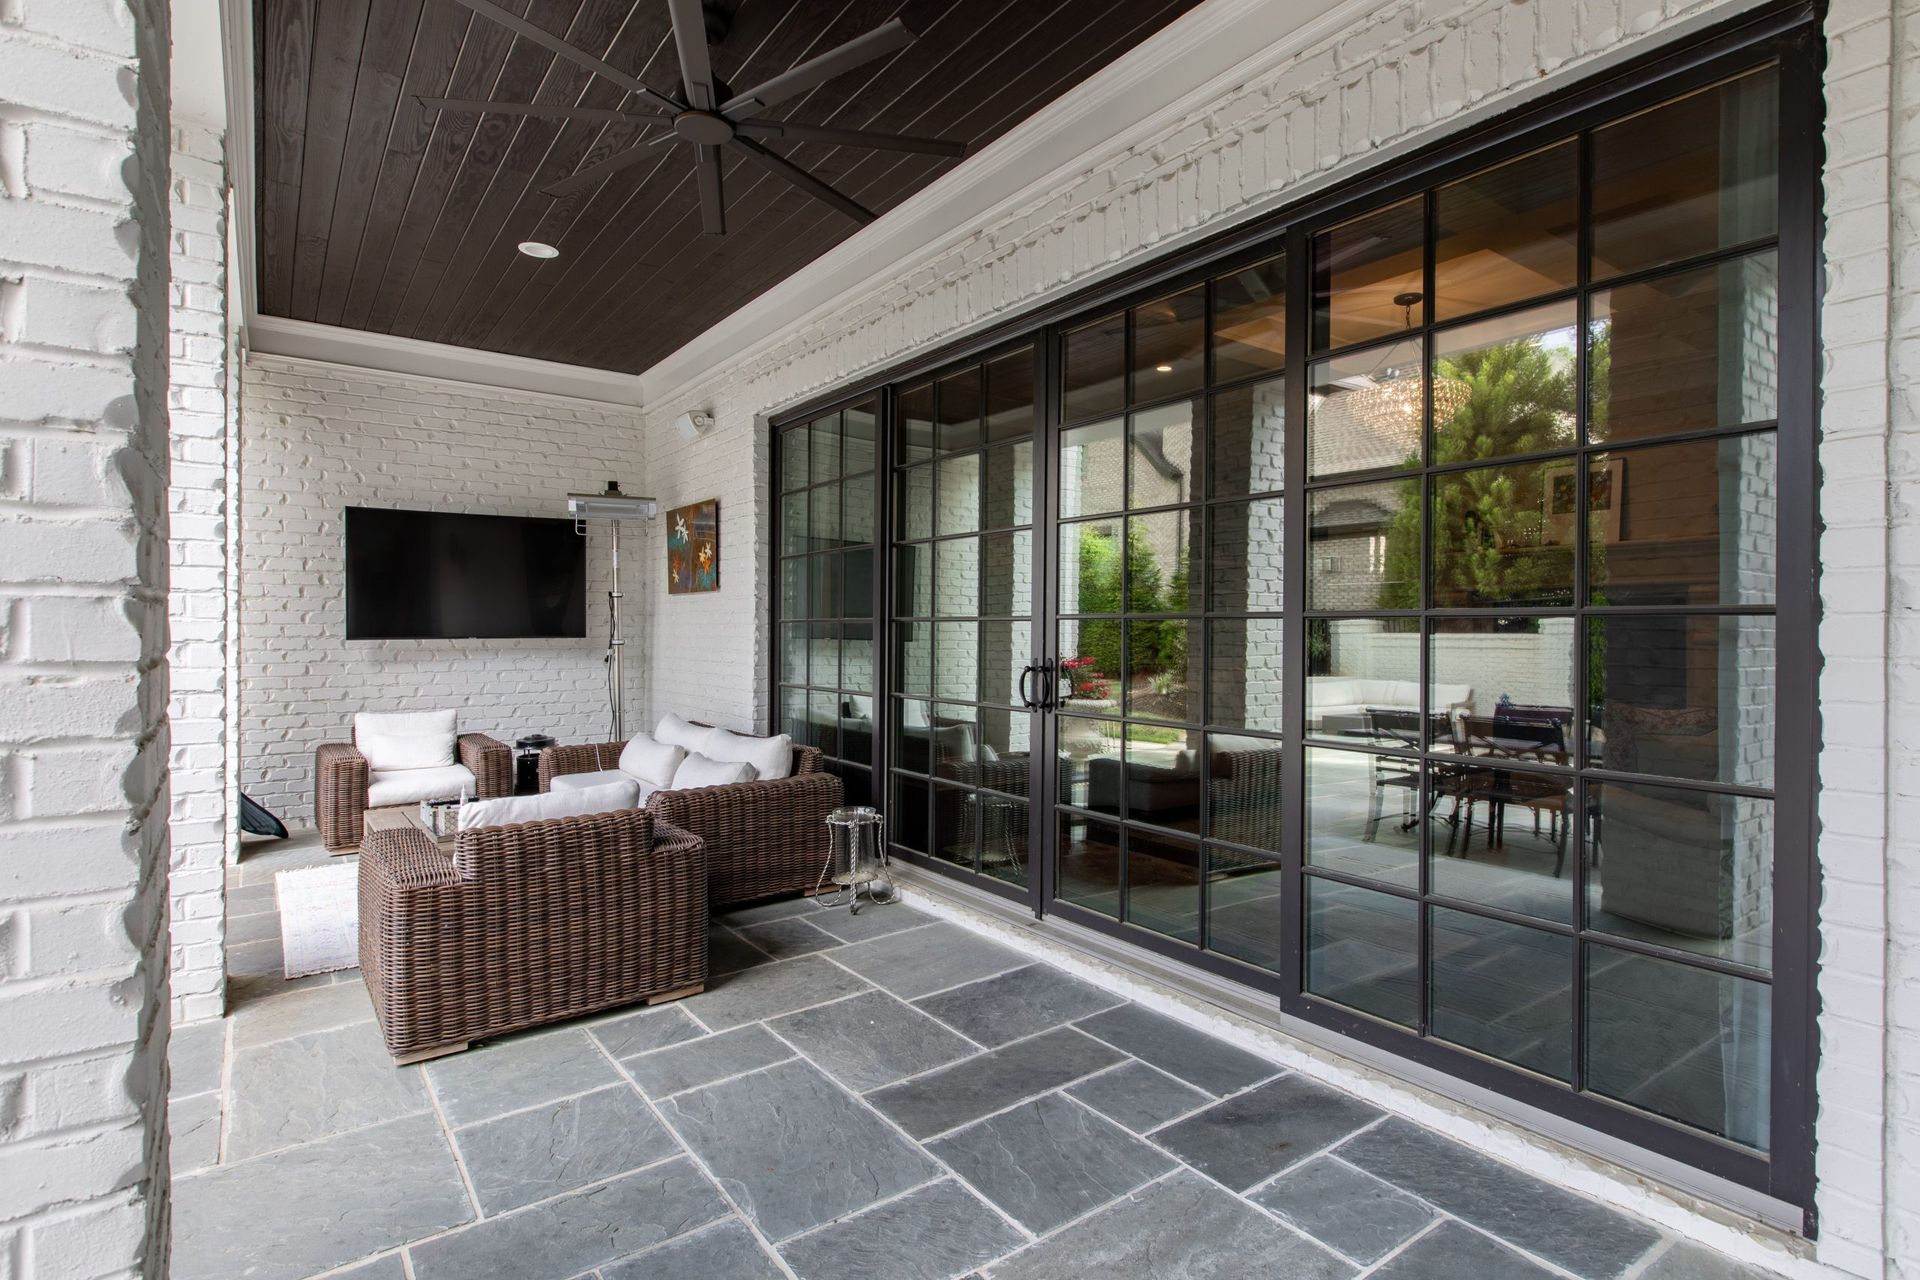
410,357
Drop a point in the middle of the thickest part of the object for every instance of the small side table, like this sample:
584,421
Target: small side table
526,762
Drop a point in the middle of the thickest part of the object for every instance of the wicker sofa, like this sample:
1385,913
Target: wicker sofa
342,775
527,924
763,838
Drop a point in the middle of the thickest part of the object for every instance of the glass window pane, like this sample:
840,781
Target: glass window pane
1504,990
1363,546
1093,469
1688,523
1007,743
1367,276
1361,950
1095,357
1005,650
1489,544
856,658
823,663
1681,1042
1244,673
1163,562
795,599
956,829
1506,385
916,423
1245,557
794,533
913,581
1363,815
1685,869
1006,574
913,735
1247,450
1687,177
1363,680
1250,320
794,470
1158,781
1169,346
1502,837
1246,907
1088,863
1091,571
824,523
956,743
1245,781
793,652
1090,764
1165,454
1163,673
913,657
1502,686
856,584
1364,411
1508,233
1163,885
914,500
1090,662
908,813
958,492
1009,494
861,431
957,411
956,591
856,509
793,715
826,448
1010,396
856,729
1683,697
1003,838
956,660
824,577
823,709
1685,352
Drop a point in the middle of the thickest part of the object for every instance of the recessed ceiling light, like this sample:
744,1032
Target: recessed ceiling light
534,249
1163,368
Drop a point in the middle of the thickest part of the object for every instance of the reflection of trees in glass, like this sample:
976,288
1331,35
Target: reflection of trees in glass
1157,646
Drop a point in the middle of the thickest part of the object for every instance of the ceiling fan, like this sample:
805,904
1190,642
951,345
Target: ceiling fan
710,116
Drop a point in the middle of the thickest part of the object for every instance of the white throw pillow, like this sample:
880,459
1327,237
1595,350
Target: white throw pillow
703,771
651,760
676,732
550,804
406,739
770,757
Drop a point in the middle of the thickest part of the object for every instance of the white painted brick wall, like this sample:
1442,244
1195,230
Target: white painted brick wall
316,439
202,818
84,226
1395,77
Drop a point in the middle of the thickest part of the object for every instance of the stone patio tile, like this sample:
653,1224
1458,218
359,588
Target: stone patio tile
793,1149
315,1085
792,936
196,1053
577,1232
1688,1261
725,1251
871,1040
519,1072
629,1033
244,989
1252,1136
1573,1232
922,961
1012,1005
1183,1226
256,959
250,900
261,926
728,952
979,1086
193,1133
1178,1049
1453,1252
698,1062
1139,1096
338,1004
778,909
388,1267
1048,1161
769,990
874,921
934,1233
1339,1205
319,1205
531,1155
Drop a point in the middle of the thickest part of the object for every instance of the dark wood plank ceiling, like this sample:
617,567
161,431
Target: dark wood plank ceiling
379,214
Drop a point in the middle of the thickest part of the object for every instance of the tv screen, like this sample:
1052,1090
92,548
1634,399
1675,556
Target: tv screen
429,575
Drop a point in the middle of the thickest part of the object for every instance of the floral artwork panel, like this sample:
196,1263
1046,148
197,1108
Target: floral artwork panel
693,547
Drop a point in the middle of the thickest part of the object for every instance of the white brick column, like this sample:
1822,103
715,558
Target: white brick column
83,633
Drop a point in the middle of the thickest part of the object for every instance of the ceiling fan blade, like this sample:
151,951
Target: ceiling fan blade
539,112
579,57
690,38
886,38
851,137
713,208
593,174
783,168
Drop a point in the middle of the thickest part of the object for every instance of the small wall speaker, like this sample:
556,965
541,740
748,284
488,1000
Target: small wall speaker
691,426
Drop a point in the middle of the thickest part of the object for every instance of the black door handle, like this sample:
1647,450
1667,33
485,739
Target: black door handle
1026,698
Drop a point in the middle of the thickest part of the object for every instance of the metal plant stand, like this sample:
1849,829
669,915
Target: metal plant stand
856,859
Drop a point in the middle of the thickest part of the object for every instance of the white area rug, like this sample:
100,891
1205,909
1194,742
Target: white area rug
319,918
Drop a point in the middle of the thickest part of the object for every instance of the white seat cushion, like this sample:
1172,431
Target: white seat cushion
650,760
703,771
770,757
607,798
406,739
600,778
676,732
410,786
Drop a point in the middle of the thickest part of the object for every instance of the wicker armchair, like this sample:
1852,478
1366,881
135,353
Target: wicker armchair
527,924
763,838
341,776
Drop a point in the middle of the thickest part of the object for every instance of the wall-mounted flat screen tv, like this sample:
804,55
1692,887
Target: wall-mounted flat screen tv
433,575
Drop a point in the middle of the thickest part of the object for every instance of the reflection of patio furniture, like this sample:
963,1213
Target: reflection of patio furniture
1401,729
1347,700
1164,795
1670,859
1540,738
